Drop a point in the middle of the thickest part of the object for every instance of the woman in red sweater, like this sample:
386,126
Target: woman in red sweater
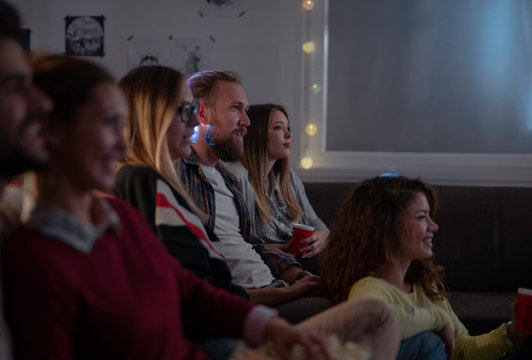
86,278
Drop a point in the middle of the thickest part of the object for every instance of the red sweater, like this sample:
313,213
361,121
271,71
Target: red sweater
125,299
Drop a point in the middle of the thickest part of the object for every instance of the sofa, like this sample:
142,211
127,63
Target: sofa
484,242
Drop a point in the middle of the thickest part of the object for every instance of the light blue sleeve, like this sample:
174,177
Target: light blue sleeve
309,215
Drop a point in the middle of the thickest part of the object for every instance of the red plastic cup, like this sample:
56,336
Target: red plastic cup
524,310
299,233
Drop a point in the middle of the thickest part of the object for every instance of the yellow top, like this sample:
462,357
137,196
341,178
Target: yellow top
417,313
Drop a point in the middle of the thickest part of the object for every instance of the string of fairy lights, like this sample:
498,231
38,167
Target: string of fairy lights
311,129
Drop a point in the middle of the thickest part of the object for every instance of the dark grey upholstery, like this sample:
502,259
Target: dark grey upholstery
484,242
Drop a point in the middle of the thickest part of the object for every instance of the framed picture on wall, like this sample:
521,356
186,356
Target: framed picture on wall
84,35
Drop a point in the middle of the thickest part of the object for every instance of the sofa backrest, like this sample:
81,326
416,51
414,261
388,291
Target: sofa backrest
484,239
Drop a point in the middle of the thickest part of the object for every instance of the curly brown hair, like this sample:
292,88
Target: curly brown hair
367,232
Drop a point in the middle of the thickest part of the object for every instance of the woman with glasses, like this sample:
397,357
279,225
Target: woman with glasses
162,121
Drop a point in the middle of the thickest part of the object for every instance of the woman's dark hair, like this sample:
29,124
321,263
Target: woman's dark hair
367,233
68,81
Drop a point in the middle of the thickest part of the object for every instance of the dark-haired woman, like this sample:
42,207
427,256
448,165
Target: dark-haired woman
273,192
381,247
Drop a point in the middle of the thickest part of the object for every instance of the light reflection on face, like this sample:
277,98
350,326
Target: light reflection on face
279,136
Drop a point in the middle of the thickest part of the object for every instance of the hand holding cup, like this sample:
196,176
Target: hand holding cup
300,232
315,244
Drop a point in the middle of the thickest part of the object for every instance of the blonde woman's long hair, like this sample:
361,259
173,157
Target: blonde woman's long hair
153,93
255,157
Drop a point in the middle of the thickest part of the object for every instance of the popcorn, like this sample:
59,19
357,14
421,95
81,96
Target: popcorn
346,351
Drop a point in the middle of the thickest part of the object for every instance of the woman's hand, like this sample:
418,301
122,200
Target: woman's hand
284,336
515,335
315,243
447,336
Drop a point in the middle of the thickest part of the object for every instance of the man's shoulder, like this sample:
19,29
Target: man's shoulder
237,169
226,173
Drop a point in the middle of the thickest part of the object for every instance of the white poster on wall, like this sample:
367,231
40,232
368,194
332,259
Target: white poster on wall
187,55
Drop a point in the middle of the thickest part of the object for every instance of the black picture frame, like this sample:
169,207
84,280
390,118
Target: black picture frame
84,35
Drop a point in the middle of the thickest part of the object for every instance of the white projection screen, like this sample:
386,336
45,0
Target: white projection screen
429,76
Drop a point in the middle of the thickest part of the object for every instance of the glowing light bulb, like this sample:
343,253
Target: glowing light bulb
306,163
315,88
307,4
308,47
311,129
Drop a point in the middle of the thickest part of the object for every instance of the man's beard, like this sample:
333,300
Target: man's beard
16,155
17,160
227,149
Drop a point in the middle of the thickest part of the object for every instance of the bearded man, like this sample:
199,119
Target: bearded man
269,278
22,107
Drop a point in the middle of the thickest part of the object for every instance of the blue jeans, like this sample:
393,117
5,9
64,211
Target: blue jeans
423,346
219,348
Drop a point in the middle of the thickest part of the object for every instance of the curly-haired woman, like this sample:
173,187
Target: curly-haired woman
380,247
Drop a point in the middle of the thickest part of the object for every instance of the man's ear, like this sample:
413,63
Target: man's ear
201,114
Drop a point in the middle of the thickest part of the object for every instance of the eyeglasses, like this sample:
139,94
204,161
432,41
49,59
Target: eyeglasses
187,109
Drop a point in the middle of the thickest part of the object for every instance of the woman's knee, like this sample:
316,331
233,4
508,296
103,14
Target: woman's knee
423,346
